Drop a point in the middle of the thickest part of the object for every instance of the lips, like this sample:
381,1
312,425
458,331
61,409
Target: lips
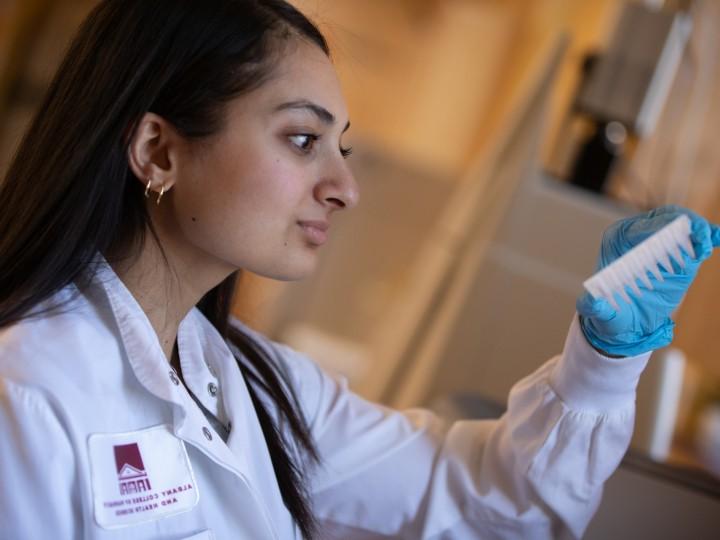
315,231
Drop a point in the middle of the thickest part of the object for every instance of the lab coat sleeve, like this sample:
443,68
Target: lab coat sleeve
537,472
36,459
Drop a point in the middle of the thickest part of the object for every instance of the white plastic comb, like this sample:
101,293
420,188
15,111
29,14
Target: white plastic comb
643,258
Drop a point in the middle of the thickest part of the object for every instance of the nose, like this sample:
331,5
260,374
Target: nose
338,190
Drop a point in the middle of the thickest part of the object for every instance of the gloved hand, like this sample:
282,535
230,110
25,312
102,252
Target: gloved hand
644,324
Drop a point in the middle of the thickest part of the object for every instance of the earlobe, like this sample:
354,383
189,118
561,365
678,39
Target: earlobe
147,190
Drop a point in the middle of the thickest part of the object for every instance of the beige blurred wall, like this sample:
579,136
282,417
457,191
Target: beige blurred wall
425,79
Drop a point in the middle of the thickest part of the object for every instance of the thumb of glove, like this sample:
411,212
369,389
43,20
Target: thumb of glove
595,308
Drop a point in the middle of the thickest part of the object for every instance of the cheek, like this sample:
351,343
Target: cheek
269,184
242,203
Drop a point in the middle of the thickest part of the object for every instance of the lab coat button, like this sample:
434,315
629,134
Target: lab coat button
174,378
207,434
212,389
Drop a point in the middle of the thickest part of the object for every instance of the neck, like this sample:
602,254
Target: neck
167,291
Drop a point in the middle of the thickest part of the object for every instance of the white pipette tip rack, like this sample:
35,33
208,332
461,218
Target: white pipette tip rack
641,260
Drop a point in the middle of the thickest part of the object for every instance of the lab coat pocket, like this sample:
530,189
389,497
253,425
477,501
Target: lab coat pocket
140,477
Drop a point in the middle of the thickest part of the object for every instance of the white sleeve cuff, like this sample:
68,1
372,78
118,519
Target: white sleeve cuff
587,380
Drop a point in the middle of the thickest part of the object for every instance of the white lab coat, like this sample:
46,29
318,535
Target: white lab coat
89,406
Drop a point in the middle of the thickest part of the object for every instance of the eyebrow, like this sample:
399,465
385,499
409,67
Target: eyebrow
321,112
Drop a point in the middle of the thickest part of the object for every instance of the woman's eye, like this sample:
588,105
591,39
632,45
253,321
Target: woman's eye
304,141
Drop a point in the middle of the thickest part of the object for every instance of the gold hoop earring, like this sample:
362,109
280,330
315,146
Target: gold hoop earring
162,190
147,188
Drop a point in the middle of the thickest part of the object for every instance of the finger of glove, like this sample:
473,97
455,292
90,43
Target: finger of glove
715,235
624,235
637,229
704,235
673,210
701,230
646,225
595,308
701,235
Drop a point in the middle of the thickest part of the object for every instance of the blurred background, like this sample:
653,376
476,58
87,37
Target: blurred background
494,140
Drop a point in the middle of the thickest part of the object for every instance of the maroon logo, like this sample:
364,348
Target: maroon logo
130,469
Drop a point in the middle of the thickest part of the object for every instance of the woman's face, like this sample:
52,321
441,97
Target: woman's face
259,194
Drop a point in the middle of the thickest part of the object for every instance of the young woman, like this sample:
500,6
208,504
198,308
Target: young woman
181,142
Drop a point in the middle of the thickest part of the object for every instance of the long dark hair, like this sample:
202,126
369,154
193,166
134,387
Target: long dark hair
70,193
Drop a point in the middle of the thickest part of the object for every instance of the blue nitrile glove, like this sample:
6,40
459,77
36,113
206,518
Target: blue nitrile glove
645,324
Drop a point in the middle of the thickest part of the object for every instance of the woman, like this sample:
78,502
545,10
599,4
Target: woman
132,406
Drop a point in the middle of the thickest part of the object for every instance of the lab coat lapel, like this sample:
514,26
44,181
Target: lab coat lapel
245,452
247,440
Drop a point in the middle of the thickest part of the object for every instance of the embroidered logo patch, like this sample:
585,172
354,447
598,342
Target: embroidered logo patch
131,473
140,476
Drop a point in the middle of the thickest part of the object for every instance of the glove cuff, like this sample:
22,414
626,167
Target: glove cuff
660,337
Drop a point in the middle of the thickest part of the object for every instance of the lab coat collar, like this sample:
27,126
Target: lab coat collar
141,343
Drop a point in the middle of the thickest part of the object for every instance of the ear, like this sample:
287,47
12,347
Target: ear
152,152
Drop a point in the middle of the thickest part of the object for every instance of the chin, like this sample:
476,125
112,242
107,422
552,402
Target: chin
290,272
